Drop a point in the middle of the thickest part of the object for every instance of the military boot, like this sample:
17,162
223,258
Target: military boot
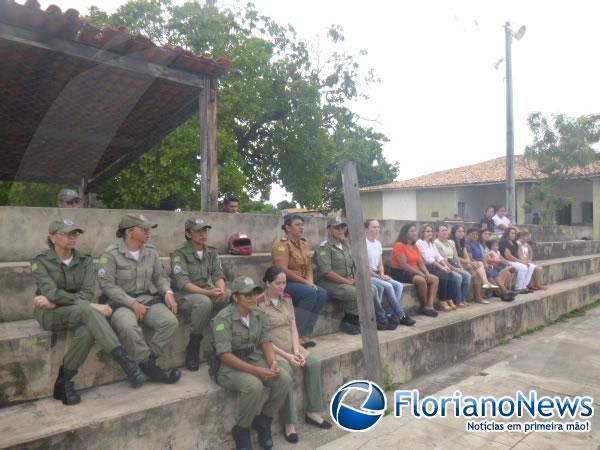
63,387
262,425
129,366
242,438
155,373
192,352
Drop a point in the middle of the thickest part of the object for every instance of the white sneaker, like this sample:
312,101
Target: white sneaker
490,286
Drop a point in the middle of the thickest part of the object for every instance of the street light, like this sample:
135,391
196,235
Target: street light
510,137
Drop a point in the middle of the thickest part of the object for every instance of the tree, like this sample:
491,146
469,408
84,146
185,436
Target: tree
286,204
560,145
282,118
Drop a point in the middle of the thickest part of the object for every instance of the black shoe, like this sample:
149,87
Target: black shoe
63,387
324,425
507,297
349,328
242,438
292,438
262,425
386,326
192,352
129,366
155,373
407,320
429,312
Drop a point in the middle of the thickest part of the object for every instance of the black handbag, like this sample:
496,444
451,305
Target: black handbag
454,263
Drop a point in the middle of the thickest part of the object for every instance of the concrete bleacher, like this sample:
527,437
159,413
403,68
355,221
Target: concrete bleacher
196,413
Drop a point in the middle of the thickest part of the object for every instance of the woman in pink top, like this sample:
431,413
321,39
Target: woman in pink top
408,267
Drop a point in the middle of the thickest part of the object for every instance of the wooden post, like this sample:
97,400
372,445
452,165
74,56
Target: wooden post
366,309
83,195
209,183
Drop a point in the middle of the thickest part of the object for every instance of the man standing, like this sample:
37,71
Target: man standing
199,283
68,198
231,204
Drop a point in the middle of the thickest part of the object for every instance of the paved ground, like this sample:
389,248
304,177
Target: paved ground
563,359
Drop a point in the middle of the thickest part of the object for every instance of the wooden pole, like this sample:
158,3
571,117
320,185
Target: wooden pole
209,183
366,309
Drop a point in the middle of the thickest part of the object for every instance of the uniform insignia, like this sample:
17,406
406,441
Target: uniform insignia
34,267
281,248
104,260
68,222
220,327
101,272
142,217
177,258
248,281
176,269
323,253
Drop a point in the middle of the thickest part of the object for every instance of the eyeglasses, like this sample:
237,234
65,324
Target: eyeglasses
75,201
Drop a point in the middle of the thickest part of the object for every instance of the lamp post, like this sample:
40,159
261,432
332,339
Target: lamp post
510,137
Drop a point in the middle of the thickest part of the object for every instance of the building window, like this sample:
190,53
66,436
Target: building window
587,212
462,209
435,214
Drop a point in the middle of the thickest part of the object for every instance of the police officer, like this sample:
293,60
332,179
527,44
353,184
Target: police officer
66,285
336,273
240,330
199,283
68,198
134,283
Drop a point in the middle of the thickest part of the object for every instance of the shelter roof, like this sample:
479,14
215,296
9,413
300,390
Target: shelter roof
79,101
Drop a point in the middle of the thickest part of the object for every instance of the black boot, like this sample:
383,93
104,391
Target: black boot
242,438
192,352
155,373
348,327
129,366
262,425
63,387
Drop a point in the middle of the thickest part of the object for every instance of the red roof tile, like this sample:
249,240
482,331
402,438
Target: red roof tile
487,172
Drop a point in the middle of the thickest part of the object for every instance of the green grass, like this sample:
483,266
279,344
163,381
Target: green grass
565,317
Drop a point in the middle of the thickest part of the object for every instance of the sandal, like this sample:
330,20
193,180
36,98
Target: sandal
443,306
451,304
481,301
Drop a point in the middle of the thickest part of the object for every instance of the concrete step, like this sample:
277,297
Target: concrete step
195,413
18,287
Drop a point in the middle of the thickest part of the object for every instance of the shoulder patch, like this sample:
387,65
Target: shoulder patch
34,267
176,269
220,327
104,260
323,253
177,259
101,272
281,248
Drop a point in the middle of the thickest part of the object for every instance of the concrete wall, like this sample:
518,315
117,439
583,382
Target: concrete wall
442,201
400,205
372,204
24,230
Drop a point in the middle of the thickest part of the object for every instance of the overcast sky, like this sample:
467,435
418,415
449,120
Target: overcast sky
440,100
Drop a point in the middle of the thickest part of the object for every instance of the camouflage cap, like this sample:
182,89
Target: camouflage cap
63,226
196,224
244,285
66,195
135,220
337,222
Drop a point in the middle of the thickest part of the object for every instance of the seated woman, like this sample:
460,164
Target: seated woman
294,256
408,267
527,255
437,265
278,307
462,278
498,270
66,284
468,262
383,283
243,344
509,249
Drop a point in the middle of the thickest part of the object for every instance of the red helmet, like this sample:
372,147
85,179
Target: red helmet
240,244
